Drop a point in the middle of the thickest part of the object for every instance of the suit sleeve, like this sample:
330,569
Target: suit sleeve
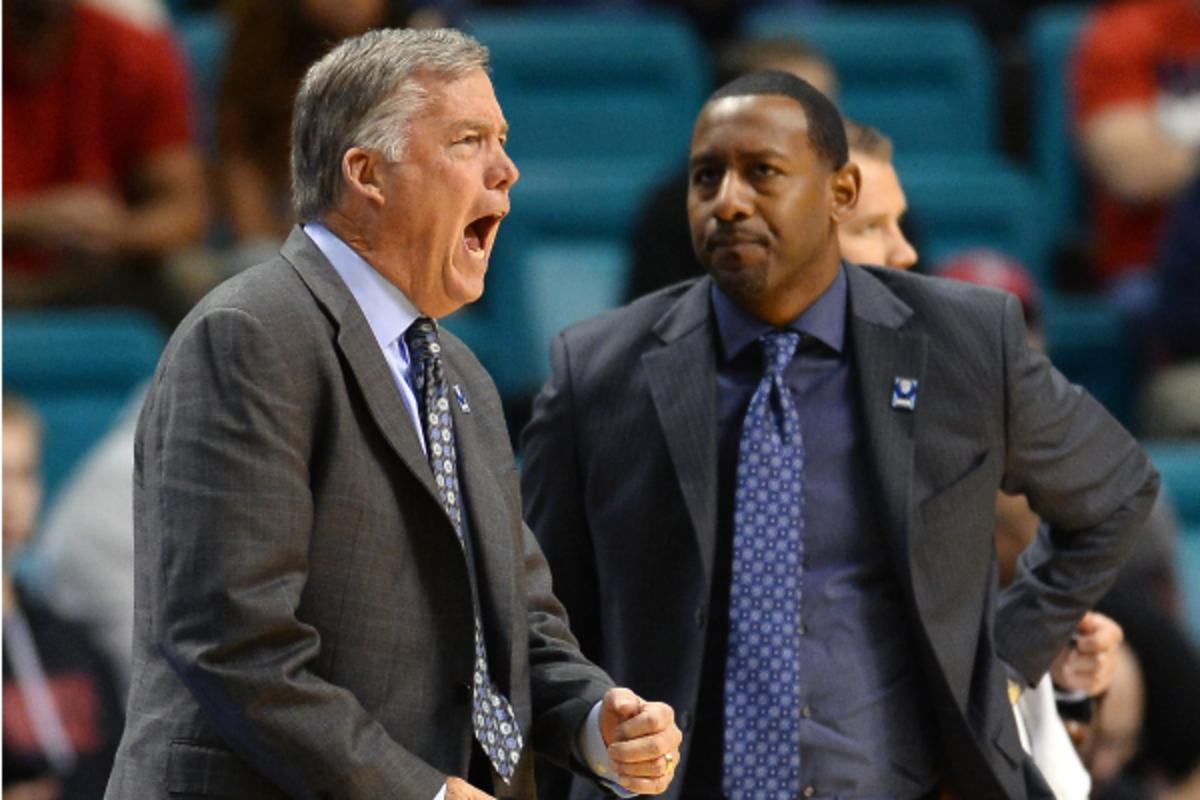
551,489
227,444
1089,481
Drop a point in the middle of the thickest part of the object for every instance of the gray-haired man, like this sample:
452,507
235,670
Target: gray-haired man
336,596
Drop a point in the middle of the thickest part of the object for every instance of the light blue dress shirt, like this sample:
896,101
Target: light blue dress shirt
389,314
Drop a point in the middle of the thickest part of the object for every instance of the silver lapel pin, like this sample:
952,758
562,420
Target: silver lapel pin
461,397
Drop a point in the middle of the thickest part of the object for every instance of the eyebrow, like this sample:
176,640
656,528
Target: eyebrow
765,153
480,123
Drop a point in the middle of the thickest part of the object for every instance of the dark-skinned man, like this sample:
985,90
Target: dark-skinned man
783,475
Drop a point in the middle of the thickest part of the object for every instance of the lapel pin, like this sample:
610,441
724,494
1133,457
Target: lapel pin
461,397
904,393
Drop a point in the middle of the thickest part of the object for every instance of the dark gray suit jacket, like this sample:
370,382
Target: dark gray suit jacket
620,488
303,622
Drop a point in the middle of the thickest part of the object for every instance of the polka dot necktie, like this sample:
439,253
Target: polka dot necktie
495,723
762,706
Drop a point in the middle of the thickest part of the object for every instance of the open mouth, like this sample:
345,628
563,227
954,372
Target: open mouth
479,234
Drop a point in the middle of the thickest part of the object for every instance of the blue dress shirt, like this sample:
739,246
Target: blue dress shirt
866,728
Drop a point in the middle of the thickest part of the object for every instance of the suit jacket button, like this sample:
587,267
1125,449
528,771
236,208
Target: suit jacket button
684,720
701,616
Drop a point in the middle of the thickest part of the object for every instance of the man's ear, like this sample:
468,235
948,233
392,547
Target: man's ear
361,173
845,184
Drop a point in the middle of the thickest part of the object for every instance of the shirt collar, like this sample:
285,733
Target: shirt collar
388,310
824,319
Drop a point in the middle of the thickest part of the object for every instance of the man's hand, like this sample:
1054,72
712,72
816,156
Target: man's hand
458,789
642,739
1087,664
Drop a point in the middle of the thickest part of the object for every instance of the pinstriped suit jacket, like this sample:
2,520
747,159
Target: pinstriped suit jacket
620,488
303,623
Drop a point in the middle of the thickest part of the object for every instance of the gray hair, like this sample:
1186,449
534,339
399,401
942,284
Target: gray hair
363,93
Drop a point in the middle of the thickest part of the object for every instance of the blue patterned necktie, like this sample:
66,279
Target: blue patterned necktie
762,706
495,723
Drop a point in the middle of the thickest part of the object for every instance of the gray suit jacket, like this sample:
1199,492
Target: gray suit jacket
303,622
620,488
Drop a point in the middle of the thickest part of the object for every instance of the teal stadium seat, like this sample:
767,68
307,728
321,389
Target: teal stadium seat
1050,42
966,202
1179,465
584,83
78,368
1089,342
204,37
562,255
1189,579
924,76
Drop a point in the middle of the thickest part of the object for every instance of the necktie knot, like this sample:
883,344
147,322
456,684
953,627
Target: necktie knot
425,350
778,349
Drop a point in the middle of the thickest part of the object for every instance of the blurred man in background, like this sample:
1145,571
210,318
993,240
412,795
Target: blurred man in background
1136,95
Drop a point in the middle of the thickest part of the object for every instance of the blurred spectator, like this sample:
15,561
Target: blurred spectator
661,244
83,559
272,45
1147,736
1169,405
101,178
62,716
873,232
1136,85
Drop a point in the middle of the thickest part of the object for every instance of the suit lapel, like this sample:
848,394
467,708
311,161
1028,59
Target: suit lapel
358,345
484,505
682,379
883,351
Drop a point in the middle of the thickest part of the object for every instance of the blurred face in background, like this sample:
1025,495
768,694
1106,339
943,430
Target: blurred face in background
818,73
871,234
22,481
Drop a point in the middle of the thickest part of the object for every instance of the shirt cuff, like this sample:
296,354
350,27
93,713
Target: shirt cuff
441,795
591,750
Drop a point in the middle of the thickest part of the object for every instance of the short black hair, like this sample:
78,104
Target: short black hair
826,133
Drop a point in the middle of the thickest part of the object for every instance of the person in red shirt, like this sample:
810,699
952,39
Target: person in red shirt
1136,86
100,169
